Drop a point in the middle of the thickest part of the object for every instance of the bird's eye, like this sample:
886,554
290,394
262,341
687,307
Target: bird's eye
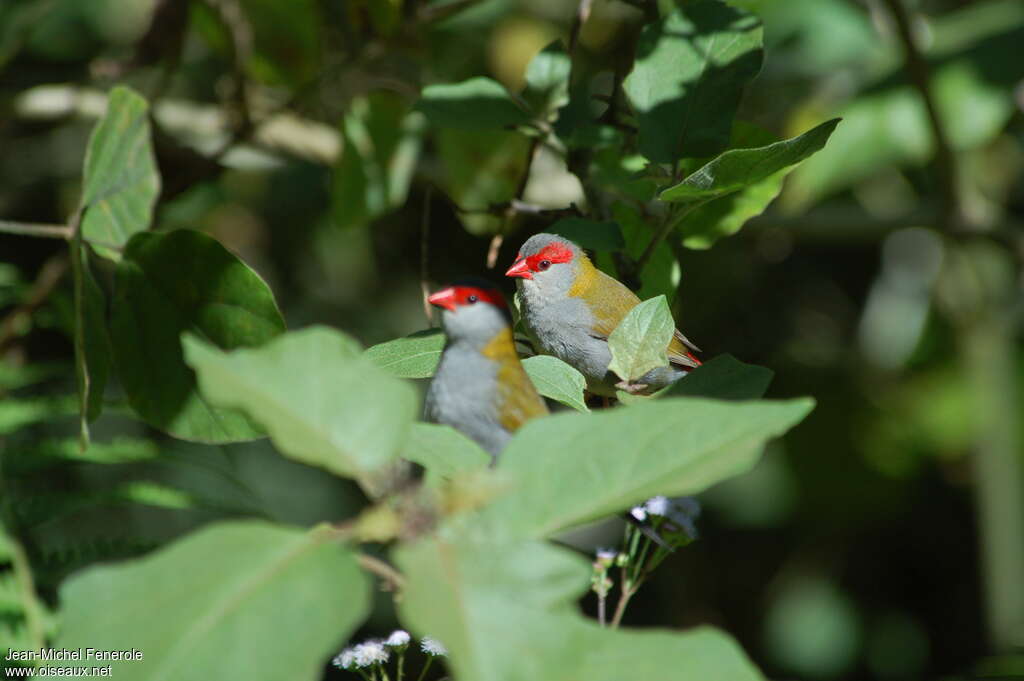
471,299
544,264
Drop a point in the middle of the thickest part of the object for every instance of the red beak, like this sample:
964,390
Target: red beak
519,269
444,298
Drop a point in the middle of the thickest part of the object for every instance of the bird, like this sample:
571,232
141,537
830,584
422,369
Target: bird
569,308
480,387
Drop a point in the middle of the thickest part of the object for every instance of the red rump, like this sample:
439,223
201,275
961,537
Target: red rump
458,296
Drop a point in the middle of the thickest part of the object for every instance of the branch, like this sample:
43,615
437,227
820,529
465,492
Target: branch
33,229
945,158
582,14
49,276
378,567
497,239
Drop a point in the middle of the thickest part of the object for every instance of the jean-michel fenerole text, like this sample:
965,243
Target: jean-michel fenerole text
62,654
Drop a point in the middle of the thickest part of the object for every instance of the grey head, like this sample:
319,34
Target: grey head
547,266
473,311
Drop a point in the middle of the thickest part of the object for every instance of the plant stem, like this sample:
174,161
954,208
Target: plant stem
381,569
601,607
34,229
401,666
945,159
628,590
423,673
670,223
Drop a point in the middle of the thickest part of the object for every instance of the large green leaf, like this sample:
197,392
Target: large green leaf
474,104
571,468
321,402
547,80
723,378
702,226
121,182
481,168
507,611
414,356
92,341
442,451
381,145
174,282
690,70
739,168
640,342
555,379
236,600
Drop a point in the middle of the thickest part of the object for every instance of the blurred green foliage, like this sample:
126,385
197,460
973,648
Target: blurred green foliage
318,142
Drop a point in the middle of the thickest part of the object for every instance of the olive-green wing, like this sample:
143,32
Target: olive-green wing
518,400
615,301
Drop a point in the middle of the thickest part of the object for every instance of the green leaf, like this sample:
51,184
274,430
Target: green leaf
702,226
723,378
640,342
489,601
179,281
481,168
569,468
121,182
92,341
547,80
555,379
381,143
443,451
690,70
590,234
661,275
975,67
415,356
739,168
475,104
235,600
320,400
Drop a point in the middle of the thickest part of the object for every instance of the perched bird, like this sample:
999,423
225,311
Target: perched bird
569,307
480,387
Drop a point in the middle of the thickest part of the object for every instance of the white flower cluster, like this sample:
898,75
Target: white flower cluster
431,646
365,654
680,510
398,639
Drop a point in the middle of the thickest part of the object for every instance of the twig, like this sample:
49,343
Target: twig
499,238
670,223
620,609
33,229
428,310
582,14
945,158
46,281
382,570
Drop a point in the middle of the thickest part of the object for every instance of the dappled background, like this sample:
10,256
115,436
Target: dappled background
883,538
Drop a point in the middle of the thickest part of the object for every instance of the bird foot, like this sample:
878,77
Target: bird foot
631,388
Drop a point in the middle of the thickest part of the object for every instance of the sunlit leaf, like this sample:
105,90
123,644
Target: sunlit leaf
235,600
414,356
319,399
442,451
474,104
557,380
739,168
571,468
120,182
690,70
547,79
640,342
489,601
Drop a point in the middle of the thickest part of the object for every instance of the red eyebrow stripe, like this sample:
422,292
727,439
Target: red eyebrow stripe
553,253
482,294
